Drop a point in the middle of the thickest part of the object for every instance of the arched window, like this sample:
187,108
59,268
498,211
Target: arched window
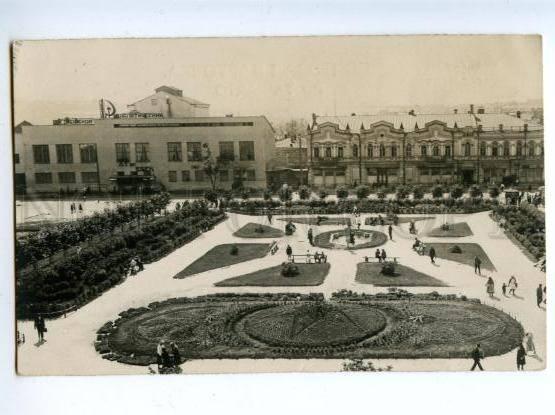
382,150
447,151
519,148
370,151
423,151
467,149
340,152
494,149
316,152
393,150
355,150
408,150
328,151
506,149
482,148
531,149
435,151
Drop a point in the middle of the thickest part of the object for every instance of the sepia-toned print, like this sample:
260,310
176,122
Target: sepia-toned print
232,205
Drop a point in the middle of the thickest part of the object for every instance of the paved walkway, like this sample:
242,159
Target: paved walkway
69,349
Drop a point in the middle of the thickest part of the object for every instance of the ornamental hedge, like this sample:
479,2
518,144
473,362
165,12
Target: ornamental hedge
103,263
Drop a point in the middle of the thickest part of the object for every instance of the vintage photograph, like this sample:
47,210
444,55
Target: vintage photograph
279,204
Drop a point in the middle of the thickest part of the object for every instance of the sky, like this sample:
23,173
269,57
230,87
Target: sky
282,78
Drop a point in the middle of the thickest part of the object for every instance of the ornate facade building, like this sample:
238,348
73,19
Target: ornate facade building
425,148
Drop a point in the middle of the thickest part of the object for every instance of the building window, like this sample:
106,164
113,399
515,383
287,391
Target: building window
370,151
172,176
355,150
88,153
246,150
340,152
224,175
122,152
251,175
382,150
506,149
43,178
227,151
153,101
408,150
435,151
141,152
185,176
467,150
316,152
199,175
393,150
89,177
194,151
64,153
16,158
482,149
41,154
328,152
447,151
66,177
423,151
531,149
519,148
174,152
494,150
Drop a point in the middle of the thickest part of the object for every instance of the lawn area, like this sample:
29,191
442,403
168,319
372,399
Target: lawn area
220,256
309,275
469,252
281,325
370,273
324,220
256,230
456,230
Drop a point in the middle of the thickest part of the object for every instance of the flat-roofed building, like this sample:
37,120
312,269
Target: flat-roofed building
170,103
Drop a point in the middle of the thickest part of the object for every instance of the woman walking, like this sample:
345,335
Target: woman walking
490,287
530,346
520,358
512,285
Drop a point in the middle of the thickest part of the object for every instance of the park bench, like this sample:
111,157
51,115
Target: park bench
274,248
393,259
307,259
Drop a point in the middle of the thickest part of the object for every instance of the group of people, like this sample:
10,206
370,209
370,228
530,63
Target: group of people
73,208
419,247
167,357
135,265
380,256
526,348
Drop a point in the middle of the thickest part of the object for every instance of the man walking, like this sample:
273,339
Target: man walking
40,326
432,254
289,251
390,230
477,356
477,263
539,295
310,237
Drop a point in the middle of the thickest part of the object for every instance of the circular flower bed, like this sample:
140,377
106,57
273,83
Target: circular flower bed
337,239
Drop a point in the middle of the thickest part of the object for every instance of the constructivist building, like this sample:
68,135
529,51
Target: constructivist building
424,148
141,150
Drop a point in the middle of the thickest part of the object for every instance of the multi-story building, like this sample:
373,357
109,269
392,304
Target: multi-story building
423,148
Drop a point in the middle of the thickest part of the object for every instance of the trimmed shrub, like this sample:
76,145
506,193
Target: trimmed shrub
457,192
304,192
289,270
323,194
363,192
418,193
402,192
234,250
342,192
388,269
455,250
437,192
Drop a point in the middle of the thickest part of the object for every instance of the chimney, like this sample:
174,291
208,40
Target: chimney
518,114
455,111
471,109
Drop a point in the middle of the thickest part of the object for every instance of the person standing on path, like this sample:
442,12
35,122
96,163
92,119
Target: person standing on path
310,236
378,255
539,295
477,356
477,263
270,218
159,348
390,231
175,354
520,358
504,289
512,285
289,252
490,287
530,346
432,254
384,255
40,326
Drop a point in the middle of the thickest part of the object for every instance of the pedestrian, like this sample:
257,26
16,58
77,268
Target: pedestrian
270,218
490,287
504,289
545,294
390,230
166,362
352,238
308,255
289,251
520,358
40,326
175,354
477,263
384,255
378,255
539,295
159,349
310,236
512,285
80,208
432,254
530,346
477,356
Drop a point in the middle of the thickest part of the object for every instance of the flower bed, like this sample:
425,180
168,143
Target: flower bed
77,279
370,239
